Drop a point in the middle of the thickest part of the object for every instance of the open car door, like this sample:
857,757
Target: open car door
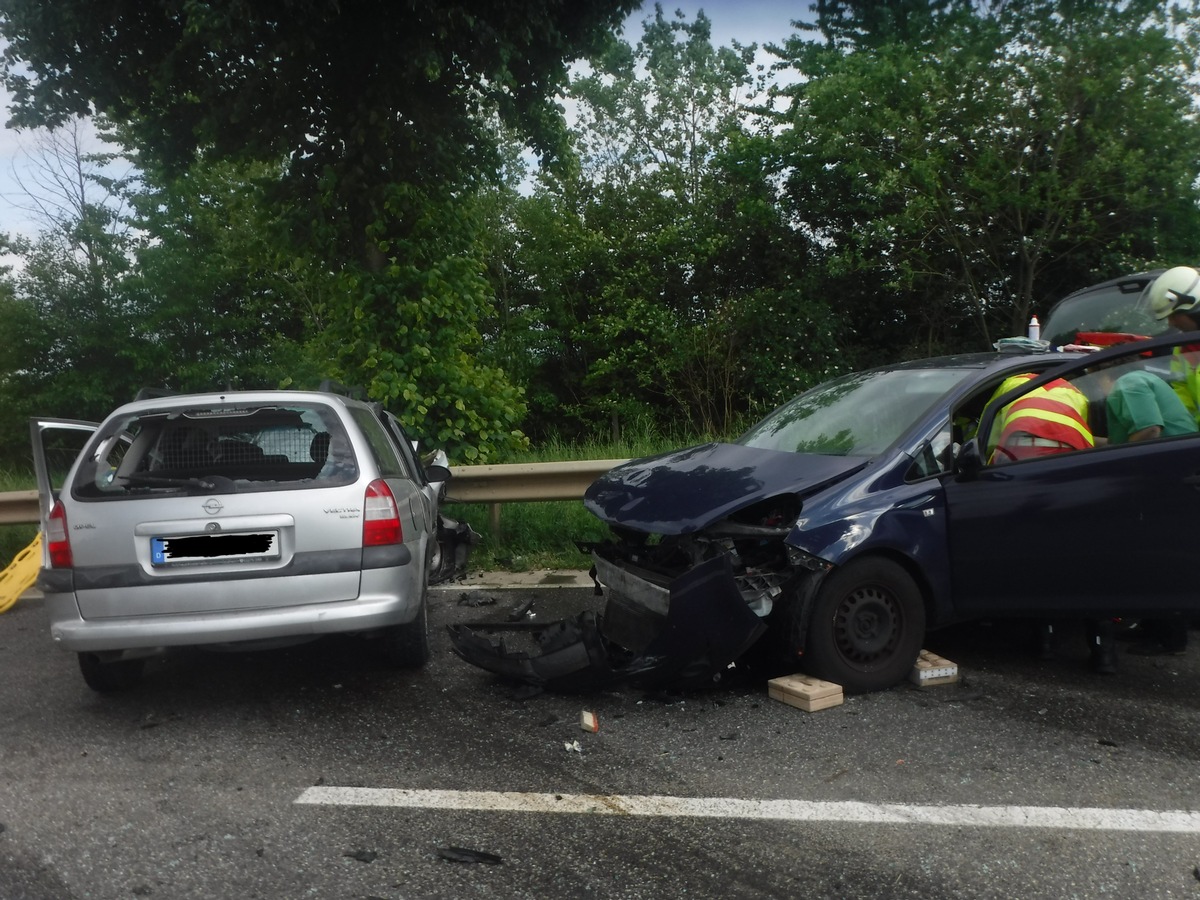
1093,532
56,445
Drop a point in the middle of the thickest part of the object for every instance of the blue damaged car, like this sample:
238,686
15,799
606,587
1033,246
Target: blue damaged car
833,535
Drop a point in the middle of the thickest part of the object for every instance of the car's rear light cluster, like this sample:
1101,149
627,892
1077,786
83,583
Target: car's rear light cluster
57,543
381,517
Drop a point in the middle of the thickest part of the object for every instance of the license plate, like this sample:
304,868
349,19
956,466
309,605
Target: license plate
214,547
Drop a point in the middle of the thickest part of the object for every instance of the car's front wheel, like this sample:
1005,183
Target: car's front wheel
110,677
867,626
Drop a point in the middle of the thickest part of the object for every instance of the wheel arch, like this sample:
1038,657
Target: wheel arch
808,584
811,642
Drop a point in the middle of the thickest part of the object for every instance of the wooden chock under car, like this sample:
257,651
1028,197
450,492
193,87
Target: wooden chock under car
931,669
805,692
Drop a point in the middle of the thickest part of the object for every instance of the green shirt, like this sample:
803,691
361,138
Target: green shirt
1139,400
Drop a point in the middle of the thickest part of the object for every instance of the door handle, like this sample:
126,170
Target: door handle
1193,480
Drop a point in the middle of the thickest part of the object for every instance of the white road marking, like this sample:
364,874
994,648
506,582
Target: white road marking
1085,818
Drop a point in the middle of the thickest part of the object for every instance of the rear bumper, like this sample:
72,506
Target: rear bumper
382,602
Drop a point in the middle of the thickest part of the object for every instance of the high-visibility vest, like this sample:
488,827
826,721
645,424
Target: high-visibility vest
1056,411
1187,379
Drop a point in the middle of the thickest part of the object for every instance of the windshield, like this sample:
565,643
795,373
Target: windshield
857,415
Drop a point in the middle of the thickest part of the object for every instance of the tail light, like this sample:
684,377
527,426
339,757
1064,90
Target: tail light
381,518
57,543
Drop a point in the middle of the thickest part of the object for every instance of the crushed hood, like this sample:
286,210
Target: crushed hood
687,490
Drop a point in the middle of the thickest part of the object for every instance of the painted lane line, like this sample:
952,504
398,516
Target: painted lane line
1083,818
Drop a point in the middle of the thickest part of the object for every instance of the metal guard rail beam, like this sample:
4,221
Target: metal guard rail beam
19,508
522,482
510,483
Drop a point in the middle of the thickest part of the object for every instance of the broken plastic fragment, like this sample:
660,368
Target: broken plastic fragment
708,625
462,854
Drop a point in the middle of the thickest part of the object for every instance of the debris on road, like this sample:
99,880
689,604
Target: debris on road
691,646
588,722
464,855
475,598
521,612
363,856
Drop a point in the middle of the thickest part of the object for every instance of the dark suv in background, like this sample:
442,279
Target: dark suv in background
1112,306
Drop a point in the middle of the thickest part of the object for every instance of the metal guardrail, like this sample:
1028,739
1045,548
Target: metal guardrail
511,483
524,482
19,508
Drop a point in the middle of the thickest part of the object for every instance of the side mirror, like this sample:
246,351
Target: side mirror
437,474
969,461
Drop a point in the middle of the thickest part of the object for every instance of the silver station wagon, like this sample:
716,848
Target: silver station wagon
250,519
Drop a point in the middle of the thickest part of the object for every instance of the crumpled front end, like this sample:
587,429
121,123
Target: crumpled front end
679,610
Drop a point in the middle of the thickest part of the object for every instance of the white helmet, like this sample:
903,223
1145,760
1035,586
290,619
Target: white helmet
1175,290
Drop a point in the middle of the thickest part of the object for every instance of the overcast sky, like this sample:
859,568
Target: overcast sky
747,21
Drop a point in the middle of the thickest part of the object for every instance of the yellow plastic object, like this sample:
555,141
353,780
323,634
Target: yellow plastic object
21,573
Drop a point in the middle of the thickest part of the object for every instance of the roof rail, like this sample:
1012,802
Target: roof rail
149,393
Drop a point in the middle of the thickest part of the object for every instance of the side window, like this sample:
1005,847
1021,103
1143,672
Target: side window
404,446
1144,399
1046,420
1144,390
383,448
936,455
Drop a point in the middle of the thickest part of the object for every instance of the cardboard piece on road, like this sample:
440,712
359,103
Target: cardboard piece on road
805,692
931,669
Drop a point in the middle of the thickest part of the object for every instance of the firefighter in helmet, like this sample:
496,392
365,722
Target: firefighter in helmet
1175,296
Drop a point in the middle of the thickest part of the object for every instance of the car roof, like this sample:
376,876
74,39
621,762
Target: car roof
985,361
237,398
1140,279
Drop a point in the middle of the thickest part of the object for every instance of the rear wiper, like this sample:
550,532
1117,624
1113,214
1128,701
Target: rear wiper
211,483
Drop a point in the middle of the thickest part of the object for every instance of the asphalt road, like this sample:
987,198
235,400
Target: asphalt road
189,785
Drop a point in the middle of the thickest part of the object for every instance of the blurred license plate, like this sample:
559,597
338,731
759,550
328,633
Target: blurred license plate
208,547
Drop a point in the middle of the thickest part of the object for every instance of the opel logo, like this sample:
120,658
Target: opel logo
212,506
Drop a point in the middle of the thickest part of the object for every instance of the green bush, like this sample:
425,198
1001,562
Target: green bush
15,538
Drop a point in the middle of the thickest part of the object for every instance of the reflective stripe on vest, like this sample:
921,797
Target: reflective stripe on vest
1056,411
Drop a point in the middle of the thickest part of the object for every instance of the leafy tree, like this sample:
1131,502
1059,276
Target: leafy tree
354,95
410,331
863,24
216,308
66,327
960,180
658,274
375,111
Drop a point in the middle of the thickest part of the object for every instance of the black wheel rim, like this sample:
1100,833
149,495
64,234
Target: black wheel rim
867,625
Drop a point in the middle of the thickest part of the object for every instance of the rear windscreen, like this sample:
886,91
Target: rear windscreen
215,450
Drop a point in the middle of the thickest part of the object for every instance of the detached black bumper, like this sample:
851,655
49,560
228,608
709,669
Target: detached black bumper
706,626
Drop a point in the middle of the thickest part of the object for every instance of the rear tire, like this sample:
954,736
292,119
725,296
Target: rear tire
407,646
110,677
868,624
